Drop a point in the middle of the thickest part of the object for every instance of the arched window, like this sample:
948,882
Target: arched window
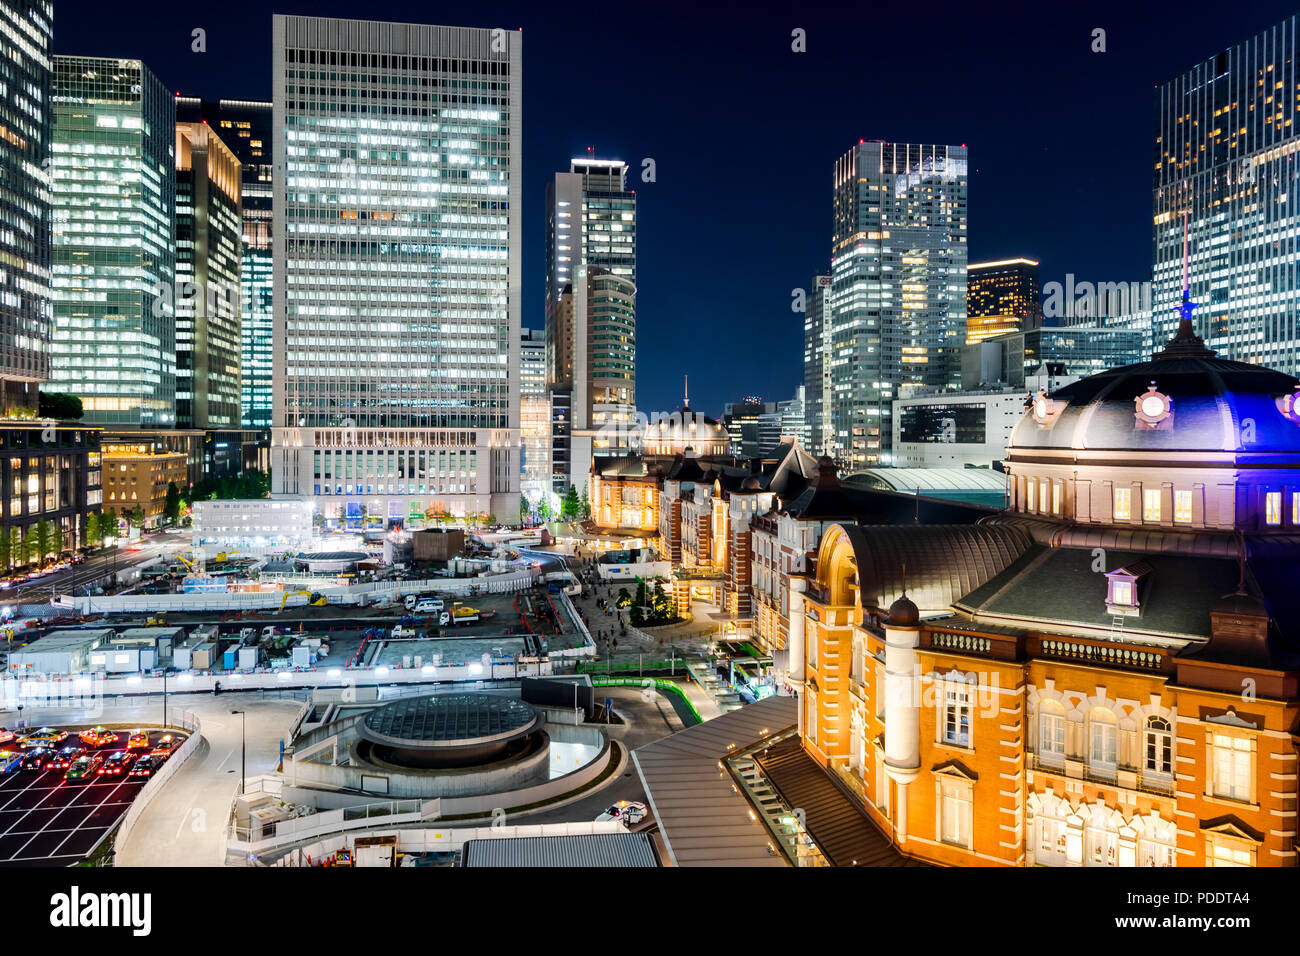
1102,741
1051,732
1159,746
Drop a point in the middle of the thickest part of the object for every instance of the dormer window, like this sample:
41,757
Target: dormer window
1122,586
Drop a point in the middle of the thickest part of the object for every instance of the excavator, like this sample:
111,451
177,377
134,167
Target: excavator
314,598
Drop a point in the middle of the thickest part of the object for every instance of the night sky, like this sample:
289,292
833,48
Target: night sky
745,133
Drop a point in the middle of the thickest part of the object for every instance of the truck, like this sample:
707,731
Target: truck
250,634
400,632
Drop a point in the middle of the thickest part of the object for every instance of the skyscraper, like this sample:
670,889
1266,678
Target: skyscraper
209,224
591,308
534,416
396,221
114,189
898,286
817,365
245,127
26,316
1226,178
1001,297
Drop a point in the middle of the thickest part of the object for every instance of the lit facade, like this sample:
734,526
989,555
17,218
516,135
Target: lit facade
1020,696
49,478
817,365
245,127
396,219
1226,144
591,309
209,225
135,475
534,416
254,526
26,310
114,188
898,286
1001,297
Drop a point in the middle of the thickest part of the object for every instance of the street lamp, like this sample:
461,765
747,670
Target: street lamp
243,751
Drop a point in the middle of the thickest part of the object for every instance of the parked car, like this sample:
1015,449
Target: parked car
37,758
138,741
98,737
628,812
164,747
84,768
117,764
10,760
145,766
65,758
45,737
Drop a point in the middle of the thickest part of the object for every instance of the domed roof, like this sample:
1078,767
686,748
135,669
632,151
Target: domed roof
687,427
1184,399
903,613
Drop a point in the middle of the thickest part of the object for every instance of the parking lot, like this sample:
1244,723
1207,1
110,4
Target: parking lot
47,821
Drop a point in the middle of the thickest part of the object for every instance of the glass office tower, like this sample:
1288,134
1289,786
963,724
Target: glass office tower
245,127
396,223
534,416
209,225
591,307
1227,175
817,384
114,189
26,315
898,286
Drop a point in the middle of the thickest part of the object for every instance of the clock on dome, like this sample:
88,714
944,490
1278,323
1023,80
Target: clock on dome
1153,409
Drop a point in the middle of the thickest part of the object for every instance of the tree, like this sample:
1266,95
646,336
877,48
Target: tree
6,549
584,506
61,406
24,546
90,533
524,510
172,507
43,534
107,526
544,510
136,518
570,507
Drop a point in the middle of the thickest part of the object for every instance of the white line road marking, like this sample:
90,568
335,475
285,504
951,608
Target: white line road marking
228,755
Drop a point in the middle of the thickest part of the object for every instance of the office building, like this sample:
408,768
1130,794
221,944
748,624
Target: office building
209,226
1224,188
817,364
26,310
534,416
898,286
1050,352
114,189
245,127
397,225
1001,297
137,475
591,309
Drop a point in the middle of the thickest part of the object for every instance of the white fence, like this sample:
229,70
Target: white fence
187,721
68,691
264,600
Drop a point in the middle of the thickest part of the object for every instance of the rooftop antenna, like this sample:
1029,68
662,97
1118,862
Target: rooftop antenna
686,395
904,578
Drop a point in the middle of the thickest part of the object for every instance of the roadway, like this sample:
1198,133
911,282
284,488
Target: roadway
95,567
